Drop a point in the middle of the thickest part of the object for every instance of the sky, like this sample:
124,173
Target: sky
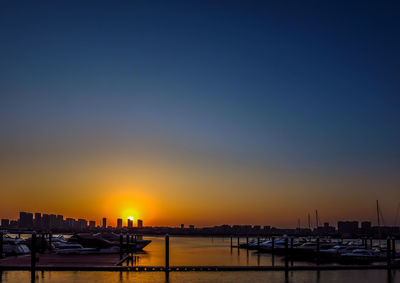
200,112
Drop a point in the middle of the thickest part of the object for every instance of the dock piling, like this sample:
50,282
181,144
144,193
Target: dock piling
127,244
273,244
231,242
166,253
238,241
33,256
318,249
1,244
393,248
247,242
286,254
120,246
50,236
388,253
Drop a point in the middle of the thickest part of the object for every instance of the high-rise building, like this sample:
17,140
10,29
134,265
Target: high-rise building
82,224
53,221
119,223
104,222
46,221
140,223
347,227
25,220
182,226
38,220
60,221
130,223
92,224
69,222
5,223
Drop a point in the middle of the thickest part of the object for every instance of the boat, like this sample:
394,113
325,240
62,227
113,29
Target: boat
14,246
360,256
106,242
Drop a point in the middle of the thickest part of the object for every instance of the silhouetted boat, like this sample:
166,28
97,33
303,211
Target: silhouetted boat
106,242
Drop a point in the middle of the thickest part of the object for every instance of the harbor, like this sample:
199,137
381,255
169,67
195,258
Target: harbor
193,254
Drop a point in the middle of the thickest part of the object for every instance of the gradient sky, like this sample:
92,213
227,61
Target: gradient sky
200,112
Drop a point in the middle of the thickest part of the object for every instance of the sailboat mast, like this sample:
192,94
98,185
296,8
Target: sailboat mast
377,213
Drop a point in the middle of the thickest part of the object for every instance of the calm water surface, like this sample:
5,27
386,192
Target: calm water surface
186,251
375,276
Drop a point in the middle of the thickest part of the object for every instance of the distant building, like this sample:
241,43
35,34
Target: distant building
82,224
326,229
60,221
46,221
366,226
5,223
182,226
130,223
53,221
38,220
104,222
191,227
25,220
140,223
92,224
69,222
348,227
119,223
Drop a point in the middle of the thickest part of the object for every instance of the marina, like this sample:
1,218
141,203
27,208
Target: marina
213,258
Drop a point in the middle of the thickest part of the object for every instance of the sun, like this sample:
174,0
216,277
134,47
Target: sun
130,218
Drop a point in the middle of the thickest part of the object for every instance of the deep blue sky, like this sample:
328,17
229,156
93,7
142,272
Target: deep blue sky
307,87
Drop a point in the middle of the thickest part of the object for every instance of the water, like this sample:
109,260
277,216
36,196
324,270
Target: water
198,251
347,276
206,251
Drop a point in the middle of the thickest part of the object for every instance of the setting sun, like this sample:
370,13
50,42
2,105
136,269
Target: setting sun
130,218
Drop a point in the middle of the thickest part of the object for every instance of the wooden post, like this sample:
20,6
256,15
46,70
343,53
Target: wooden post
318,248
286,254
42,243
273,244
393,248
1,244
388,252
238,241
127,243
33,256
166,253
247,242
258,242
120,246
231,242
50,236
